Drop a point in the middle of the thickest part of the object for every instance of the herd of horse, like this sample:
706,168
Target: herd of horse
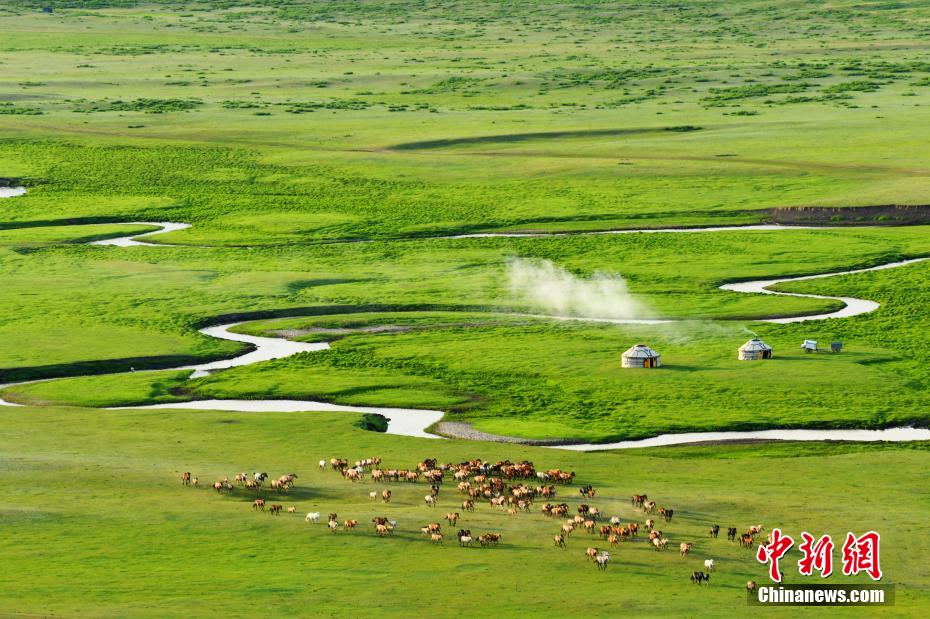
514,487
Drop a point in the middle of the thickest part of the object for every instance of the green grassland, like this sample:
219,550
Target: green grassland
319,150
103,528
511,375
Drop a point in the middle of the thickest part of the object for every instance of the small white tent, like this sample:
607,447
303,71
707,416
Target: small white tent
754,350
641,356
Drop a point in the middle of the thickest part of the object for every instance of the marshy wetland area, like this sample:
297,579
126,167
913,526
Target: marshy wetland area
259,236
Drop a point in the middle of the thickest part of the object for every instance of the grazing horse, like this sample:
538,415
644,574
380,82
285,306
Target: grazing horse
731,534
602,559
186,478
452,517
714,531
639,499
699,577
489,539
559,540
386,496
684,548
275,509
590,553
746,540
313,517
258,504
468,505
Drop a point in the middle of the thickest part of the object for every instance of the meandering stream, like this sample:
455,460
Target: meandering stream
12,192
414,422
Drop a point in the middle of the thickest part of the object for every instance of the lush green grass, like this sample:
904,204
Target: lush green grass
107,390
511,375
104,528
284,131
582,141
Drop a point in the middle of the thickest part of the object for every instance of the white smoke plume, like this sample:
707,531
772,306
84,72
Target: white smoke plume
554,291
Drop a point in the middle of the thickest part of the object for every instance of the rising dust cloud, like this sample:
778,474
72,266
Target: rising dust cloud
554,291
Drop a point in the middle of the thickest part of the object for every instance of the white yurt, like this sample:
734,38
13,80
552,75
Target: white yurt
755,350
641,356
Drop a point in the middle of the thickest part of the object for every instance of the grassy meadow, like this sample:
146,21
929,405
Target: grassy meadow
321,152
104,528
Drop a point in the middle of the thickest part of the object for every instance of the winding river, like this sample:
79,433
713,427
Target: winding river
415,423
11,192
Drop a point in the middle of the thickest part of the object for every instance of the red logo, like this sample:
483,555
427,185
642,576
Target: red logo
817,555
773,552
861,555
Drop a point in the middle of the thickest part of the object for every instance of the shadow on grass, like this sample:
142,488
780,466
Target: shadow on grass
507,138
296,493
